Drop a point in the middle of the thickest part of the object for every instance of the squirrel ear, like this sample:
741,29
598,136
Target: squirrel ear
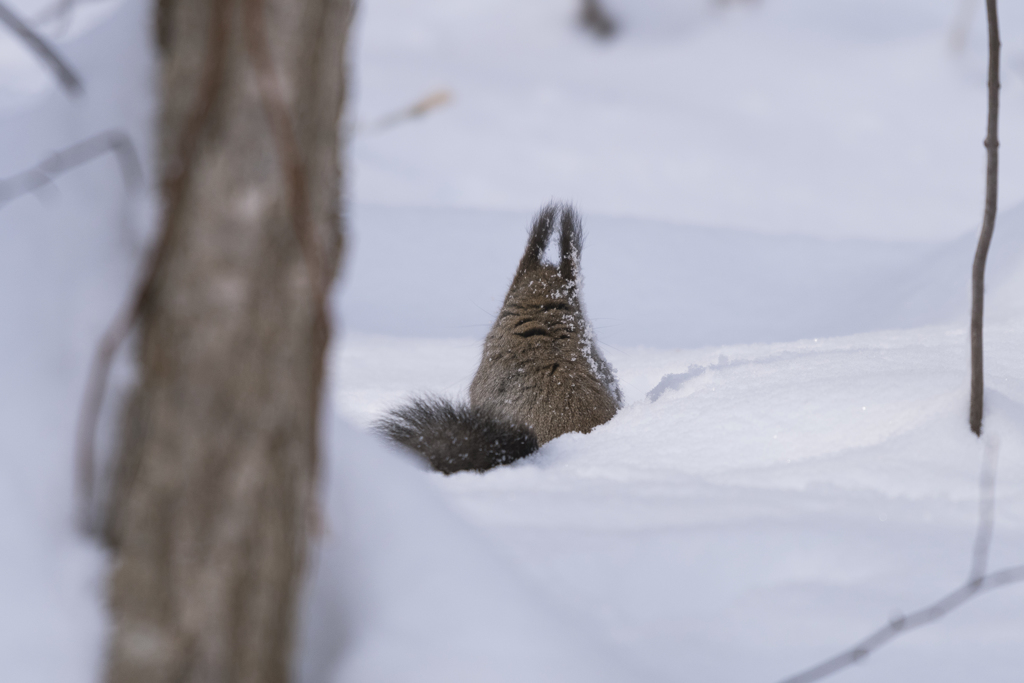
570,244
540,233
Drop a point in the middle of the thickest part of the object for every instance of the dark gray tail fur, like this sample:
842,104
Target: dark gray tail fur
541,374
454,437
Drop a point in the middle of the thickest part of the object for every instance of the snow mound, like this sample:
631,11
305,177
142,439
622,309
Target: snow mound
772,505
420,595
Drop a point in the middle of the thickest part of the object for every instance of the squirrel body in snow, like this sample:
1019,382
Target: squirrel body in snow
541,374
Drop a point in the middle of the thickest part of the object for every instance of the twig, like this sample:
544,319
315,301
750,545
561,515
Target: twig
85,436
415,110
1004,577
39,176
910,622
978,582
176,180
988,224
43,173
67,77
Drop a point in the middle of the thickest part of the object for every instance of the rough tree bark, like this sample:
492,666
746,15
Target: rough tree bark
988,224
213,493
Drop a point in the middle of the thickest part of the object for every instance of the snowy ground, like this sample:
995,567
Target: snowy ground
781,200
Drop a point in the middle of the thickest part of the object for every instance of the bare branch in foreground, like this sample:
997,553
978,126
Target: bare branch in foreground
67,77
42,174
88,419
978,582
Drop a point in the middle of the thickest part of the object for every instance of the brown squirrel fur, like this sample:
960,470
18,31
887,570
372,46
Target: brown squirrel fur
541,374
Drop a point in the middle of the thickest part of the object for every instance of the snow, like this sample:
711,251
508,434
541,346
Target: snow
783,116
780,201
66,259
762,514
412,564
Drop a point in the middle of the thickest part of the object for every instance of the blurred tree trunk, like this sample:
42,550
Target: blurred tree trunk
214,489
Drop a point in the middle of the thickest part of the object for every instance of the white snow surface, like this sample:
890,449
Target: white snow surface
781,200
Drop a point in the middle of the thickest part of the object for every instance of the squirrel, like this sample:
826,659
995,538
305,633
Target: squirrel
541,374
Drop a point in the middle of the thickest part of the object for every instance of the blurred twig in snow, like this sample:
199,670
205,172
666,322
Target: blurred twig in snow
42,175
978,582
420,107
596,19
44,172
67,77
85,434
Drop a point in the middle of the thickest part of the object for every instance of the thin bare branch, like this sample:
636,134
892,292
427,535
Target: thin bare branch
978,582
41,47
1004,577
43,173
988,224
31,180
85,437
912,621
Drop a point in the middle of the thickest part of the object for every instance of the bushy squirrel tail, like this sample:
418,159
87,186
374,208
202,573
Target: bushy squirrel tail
456,436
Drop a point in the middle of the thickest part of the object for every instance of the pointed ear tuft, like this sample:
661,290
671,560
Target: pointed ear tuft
570,244
540,234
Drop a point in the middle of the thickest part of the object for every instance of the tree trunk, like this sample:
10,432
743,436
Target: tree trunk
213,494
